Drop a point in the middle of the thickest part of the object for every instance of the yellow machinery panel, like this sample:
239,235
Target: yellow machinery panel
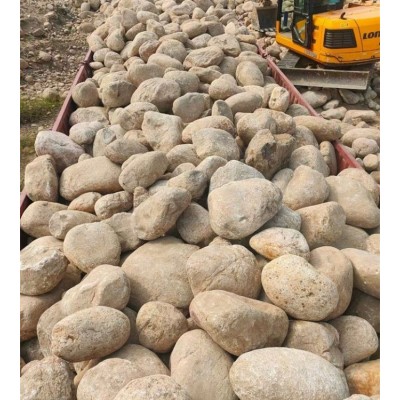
349,36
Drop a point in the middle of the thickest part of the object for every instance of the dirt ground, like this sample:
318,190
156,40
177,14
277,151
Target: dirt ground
51,27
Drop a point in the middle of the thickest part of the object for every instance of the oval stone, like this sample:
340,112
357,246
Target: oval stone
292,284
283,374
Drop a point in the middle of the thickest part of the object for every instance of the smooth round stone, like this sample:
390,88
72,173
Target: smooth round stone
238,209
322,224
90,333
230,268
106,379
364,378
275,242
332,263
208,364
50,378
358,339
153,387
318,338
302,376
225,317
90,245
306,188
366,268
156,271
105,285
141,358
294,285
357,202
42,268
159,326
365,306
194,225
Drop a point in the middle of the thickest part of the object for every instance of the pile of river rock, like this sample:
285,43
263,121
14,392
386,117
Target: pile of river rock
192,238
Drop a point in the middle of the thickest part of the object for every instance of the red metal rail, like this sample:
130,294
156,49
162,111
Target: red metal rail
61,123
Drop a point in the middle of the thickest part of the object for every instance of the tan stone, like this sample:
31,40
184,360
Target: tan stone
269,153
358,339
332,263
113,203
63,150
352,237
216,122
370,133
322,224
366,267
322,129
318,338
90,333
42,267
365,306
121,225
229,268
156,271
143,170
310,156
302,375
275,242
35,219
41,181
45,326
89,245
201,367
225,317
303,292
373,244
105,285
159,326
50,378
194,225
306,188
85,202
33,307
364,377
153,388
141,358
365,179
63,221
285,218
159,213
106,379
97,174
234,216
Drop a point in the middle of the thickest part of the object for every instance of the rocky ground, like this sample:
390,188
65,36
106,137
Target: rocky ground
52,44
192,237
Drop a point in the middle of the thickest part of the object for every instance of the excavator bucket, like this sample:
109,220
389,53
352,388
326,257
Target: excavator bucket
264,18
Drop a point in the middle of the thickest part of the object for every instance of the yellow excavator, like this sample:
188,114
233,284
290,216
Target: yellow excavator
343,40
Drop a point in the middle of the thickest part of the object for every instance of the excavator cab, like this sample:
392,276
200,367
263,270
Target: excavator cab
302,16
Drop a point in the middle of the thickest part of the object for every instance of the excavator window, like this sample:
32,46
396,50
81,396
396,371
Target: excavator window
301,25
